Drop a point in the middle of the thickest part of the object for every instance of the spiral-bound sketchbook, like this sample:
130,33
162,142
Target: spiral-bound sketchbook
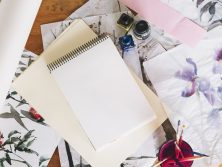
39,88
101,91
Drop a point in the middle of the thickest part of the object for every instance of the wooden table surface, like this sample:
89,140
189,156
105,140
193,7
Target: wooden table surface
50,11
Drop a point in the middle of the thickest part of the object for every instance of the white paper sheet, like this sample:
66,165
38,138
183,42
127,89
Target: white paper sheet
16,19
15,115
189,84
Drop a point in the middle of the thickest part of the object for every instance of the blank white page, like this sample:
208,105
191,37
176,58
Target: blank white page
103,95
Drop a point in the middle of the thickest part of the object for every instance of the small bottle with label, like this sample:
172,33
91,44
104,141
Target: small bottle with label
142,30
130,54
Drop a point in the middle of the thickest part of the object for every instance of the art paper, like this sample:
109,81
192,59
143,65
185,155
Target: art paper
25,139
188,81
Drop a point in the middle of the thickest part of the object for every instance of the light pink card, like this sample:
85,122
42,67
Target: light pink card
172,22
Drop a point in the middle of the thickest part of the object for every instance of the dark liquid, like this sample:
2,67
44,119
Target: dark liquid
168,151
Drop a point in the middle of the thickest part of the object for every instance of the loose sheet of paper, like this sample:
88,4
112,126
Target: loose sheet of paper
90,8
189,83
206,13
16,121
144,156
16,19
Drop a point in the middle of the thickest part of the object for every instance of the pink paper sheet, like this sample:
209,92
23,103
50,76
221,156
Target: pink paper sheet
172,22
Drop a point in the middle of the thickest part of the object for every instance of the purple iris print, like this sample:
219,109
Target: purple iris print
195,84
217,69
219,94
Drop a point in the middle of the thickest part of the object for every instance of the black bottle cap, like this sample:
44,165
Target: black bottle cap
125,21
142,29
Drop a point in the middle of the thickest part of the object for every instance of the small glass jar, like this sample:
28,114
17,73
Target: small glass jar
142,30
167,151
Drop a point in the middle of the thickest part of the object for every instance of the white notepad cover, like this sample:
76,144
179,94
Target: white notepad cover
103,94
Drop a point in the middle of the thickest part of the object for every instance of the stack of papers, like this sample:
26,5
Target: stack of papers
130,150
58,114
106,23
156,47
190,84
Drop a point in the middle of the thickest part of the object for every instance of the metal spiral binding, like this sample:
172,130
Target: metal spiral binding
76,52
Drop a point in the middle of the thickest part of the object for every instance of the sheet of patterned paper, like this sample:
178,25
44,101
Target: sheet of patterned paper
90,8
98,7
207,13
189,82
146,50
145,155
25,139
